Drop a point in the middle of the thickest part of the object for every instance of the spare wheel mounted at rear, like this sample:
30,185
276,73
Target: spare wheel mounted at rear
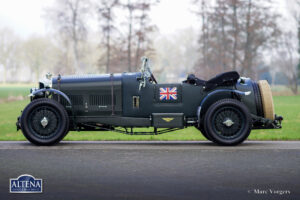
267,99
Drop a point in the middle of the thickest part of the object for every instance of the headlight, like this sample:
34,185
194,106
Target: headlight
46,82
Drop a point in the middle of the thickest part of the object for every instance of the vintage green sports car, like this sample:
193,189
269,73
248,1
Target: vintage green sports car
225,108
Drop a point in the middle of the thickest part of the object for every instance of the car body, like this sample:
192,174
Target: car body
224,108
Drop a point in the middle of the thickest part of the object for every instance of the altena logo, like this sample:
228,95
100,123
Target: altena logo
25,184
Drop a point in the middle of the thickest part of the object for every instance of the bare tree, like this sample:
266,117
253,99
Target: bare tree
143,30
131,7
8,50
235,30
297,18
176,55
139,28
287,60
238,32
290,48
261,31
36,54
202,10
298,34
69,18
106,18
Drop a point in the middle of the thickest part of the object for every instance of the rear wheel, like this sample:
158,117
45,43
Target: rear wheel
44,122
228,122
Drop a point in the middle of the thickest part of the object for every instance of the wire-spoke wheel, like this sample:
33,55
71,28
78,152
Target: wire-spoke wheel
44,122
228,122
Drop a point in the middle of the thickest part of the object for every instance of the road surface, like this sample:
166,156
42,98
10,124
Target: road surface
155,170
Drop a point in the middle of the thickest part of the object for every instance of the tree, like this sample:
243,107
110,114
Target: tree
261,32
235,32
293,72
297,18
298,46
287,60
176,55
144,28
106,18
8,49
69,19
202,11
137,35
131,8
36,54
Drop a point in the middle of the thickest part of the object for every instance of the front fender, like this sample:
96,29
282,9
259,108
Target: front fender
51,91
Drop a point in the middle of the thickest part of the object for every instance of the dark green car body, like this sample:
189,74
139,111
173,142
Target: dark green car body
116,100
129,100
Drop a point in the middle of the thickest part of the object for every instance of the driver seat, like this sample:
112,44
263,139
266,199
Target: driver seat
226,78
193,80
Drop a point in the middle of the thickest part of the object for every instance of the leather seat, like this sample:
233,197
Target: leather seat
226,78
192,79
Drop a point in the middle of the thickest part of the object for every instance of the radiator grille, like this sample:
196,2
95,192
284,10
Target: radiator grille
75,100
101,100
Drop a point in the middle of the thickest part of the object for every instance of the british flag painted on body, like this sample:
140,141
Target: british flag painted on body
168,93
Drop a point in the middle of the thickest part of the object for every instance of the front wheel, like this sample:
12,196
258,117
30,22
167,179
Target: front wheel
228,122
44,122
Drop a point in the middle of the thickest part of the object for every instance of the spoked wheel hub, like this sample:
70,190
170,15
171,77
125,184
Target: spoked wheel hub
44,121
228,122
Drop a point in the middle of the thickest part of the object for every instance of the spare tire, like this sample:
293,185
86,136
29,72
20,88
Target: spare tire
267,99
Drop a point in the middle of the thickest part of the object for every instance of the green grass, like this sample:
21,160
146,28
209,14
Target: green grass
287,106
14,90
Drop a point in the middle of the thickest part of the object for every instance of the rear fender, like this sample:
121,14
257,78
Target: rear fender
214,96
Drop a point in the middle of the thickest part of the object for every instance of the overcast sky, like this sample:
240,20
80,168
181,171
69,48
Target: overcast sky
25,17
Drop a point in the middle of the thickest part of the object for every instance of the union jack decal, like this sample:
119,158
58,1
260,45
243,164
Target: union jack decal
168,93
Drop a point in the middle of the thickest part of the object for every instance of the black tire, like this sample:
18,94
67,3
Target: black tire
57,119
201,129
237,117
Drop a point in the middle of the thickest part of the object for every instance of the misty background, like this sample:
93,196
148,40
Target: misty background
258,38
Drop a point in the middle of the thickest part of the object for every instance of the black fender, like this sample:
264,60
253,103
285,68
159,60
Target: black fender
214,96
52,91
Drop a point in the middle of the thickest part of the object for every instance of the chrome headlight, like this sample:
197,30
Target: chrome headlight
46,82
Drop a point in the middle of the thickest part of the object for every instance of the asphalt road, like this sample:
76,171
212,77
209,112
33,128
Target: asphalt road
154,170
